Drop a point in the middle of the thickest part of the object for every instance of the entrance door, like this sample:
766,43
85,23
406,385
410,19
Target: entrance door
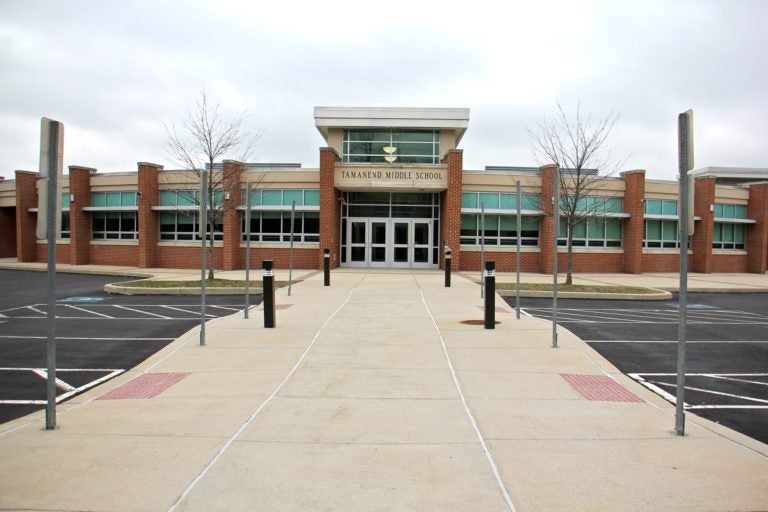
389,243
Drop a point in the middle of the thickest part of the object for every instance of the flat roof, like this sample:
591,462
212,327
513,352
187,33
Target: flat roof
733,175
456,119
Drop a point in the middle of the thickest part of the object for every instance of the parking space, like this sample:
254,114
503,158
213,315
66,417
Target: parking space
727,350
98,336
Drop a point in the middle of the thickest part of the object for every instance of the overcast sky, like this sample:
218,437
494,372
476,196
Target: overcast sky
114,71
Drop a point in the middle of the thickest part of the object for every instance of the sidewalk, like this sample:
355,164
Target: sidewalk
371,395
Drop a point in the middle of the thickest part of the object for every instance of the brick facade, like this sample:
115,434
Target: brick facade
26,222
233,256
546,223
633,227
450,210
329,208
149,196
701,241
757,234
79,219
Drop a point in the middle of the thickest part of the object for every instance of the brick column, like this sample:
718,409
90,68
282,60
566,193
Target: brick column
26,222
547,226
450,209
329,208
634,226
232,258
79,220
701,242
757,234
149,196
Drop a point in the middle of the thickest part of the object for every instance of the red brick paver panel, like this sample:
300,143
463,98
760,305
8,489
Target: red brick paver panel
600,388
148,385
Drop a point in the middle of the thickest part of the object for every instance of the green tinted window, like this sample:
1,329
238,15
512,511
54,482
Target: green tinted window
65,200
167,198
270,197
530,201
312,197
289,196
508,201
669,207
490,200
113,199
613,229
469,200
614,205
653,206
128,198
469,222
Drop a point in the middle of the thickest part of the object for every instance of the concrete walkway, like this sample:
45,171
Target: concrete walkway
372,395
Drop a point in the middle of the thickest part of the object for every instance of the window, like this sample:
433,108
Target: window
498,201
185,226
660,206
269,226
114,226
660,234
499,230
111,199
389,146
592,232
729,233
188,198
65,229
283,197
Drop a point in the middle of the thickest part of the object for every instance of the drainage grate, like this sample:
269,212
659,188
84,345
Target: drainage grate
600,388
148,385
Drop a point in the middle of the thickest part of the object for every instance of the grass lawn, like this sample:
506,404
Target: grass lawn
547,287
212,283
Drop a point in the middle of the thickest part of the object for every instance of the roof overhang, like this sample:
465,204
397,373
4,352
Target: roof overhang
732,175
456,119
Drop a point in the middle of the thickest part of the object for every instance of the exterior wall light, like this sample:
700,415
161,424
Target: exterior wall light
389,150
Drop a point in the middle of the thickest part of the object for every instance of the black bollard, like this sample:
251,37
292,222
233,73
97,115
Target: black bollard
490,295
326,267
269,294
447,267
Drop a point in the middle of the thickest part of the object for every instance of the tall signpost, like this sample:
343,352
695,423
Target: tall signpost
555,236
51,168
203,217
685,228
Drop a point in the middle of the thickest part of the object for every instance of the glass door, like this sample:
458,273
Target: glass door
357,236
401,243
378,243
421,244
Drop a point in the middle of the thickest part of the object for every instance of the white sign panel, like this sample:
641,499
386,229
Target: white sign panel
434,178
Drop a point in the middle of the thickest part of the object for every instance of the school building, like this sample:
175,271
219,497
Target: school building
391,191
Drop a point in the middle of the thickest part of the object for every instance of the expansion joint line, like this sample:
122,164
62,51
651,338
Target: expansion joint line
261,407
468,411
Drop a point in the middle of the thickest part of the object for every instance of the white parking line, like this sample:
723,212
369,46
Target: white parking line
187,311
656,388
85,311
42,372
143,312
7,336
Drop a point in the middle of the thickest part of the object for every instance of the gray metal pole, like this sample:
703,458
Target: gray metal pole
556,235
203,230
290,251
54,140
247,249
517,262
682,138
482,250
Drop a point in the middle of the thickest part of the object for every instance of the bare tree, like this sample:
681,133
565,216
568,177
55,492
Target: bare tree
205,138
577,145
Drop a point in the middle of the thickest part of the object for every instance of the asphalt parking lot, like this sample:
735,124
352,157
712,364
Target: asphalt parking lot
98,335
727,350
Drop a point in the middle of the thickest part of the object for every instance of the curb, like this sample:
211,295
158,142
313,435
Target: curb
659,295
116,289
